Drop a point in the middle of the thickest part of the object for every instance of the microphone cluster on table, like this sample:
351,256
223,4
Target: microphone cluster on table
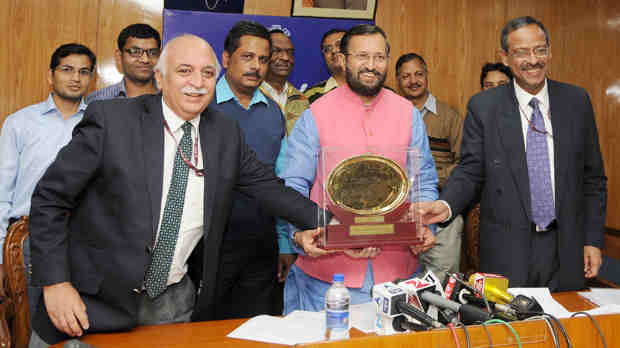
421,304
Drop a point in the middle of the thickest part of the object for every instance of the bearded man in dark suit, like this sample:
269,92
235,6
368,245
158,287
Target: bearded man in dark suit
530,151
143,182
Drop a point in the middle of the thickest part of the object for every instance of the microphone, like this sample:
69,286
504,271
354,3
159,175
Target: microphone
392,302
500,311
492,286
469,314
402,324
429,283
444,315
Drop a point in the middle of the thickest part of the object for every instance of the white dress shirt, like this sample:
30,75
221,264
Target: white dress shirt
192,220
279,97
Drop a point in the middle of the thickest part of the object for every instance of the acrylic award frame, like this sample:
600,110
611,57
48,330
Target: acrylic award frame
371,196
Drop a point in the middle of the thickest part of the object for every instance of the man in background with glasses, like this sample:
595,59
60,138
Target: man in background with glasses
330,47
362,116
31,138
531,153
138,51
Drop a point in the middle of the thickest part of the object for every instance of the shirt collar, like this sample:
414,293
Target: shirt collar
524,97
223,93
50,105
173,120
330,84
122,89
274,91
430,104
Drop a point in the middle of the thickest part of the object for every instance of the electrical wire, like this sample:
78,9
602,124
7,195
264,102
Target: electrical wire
562,329
486,329
598,328
514,332
467,339
456,338
554,333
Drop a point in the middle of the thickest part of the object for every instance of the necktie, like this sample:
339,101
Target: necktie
543,210
157,274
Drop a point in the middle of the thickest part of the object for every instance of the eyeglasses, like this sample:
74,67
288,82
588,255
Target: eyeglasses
277,51
69,70
137,52
365,57
335,48
539,52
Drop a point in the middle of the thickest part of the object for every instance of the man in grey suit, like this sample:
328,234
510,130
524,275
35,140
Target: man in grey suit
143,183
530,151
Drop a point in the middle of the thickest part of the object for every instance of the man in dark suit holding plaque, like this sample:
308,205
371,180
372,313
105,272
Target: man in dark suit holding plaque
142,183
530,149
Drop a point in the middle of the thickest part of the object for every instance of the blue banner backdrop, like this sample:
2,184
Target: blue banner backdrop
306,34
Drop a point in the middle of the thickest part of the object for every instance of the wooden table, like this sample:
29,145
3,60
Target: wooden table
533,334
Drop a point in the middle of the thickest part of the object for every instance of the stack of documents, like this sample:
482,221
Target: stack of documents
297,327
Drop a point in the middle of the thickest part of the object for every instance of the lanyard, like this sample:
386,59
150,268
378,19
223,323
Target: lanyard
198,172
529,121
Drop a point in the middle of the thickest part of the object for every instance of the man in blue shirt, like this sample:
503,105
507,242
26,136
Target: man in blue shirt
31,137
247,273
138,51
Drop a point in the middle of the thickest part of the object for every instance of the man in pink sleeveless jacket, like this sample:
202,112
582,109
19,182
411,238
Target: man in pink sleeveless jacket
361,115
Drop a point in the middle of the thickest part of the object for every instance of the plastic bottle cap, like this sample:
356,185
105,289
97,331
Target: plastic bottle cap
339,277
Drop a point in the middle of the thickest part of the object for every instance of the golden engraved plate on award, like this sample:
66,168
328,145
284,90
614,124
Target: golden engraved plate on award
368,195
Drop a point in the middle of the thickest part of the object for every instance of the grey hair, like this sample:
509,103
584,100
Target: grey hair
518,23
163,57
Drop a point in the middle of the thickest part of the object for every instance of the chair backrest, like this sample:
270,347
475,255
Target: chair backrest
14,314
470,259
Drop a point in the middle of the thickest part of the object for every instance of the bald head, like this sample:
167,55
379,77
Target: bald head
183,40
186,73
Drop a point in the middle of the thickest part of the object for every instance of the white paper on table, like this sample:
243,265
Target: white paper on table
544,298
363,316
602,297
297,327
605,309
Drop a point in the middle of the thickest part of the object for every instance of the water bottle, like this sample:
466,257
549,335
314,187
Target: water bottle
337,301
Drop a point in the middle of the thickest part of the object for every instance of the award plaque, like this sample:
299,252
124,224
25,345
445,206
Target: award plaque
370,196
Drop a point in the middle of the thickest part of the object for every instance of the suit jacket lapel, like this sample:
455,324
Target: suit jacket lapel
511,136
153,153
561,138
